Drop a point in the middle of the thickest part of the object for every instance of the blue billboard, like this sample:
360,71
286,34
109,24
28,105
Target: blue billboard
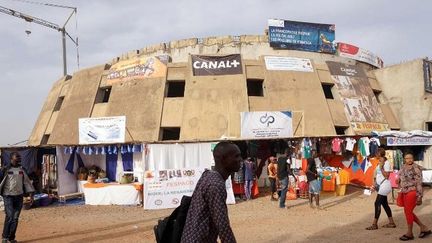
284,34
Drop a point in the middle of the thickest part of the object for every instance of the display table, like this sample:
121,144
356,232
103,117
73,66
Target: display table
110,193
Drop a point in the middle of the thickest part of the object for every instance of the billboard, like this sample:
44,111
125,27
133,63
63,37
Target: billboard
288,64
301,36
361,106
266,124
102,130
359,54
138,68
216,65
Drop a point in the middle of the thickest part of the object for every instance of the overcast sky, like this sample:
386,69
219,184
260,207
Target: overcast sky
397,31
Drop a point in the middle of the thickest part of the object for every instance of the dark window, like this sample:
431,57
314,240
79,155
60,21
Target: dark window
255,87
340,130
45,139
176,88
427,68
377,93
103,95
170,133
327,91
429,126
58,103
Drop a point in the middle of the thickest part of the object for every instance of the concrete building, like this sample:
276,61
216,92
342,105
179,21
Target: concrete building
179,105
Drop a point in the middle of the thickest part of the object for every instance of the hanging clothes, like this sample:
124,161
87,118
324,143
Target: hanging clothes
350,142
364,146
306,148
373,146
336,145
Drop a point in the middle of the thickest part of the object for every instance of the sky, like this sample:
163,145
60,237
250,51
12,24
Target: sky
397,31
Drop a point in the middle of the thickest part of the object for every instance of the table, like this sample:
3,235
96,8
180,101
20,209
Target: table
110,193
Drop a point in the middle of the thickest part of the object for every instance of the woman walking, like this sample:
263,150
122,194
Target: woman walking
410,183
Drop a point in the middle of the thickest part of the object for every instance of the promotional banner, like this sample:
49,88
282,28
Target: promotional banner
138,68
359,54
412,141
266,124
361,106
288,64
302,36
102,130
165,188
216,65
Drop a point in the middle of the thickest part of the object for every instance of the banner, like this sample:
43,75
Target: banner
359,54
412,141
216,65
266,124
302,36
288,64
165,188
361,106
138,68
102,130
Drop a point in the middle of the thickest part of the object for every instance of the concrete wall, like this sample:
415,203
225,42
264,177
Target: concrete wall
403,89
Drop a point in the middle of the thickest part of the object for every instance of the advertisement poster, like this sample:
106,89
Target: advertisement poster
102,130
361,106
359,54
266,124
216,65
301,36
165,188
138,68
411,141
288,64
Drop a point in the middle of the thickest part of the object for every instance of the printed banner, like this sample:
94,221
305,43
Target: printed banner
302,36
266,124
359,54
216,65
361,106
165,188
138,68
392,141
102,130
288,64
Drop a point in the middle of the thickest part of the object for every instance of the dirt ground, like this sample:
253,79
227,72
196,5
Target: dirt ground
341,219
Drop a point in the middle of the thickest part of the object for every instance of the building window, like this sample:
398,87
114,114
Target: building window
377,93
327,88
427,68
103,95
428,126
45,139
340,130
170,133
175,88
255,87
58,103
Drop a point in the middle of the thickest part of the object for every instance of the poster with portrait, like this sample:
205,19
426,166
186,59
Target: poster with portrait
361,106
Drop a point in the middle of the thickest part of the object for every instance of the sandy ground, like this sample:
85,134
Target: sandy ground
342,219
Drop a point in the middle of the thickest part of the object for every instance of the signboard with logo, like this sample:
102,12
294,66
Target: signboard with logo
266,124
288,64
302,36
102,130
165,188
359,54
412,141
138,68
361,106
216,65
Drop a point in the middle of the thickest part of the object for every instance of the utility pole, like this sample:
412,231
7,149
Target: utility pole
31,19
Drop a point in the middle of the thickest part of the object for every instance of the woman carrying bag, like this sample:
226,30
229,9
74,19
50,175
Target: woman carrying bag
410,195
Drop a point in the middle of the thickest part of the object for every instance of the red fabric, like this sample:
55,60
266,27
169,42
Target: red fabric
304,165
409,202
238,188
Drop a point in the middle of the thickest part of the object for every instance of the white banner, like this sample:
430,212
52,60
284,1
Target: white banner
288,64
392,141
165,188
266,124
359,54
102,130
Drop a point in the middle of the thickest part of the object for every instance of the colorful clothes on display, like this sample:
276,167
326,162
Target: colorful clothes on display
307,148
364,146
239,175
336,145
350,142
373,146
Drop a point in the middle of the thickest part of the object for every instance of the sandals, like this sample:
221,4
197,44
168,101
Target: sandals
372,227
389,225
406,238
423,234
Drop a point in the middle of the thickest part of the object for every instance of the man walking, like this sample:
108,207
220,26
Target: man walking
272,175
14,183
207,217
283,169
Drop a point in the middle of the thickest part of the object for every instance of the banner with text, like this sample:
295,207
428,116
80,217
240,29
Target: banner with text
412,141
266,124
102,130
288,64
361,106
165,188
302,36
138,68
216,65
359,54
